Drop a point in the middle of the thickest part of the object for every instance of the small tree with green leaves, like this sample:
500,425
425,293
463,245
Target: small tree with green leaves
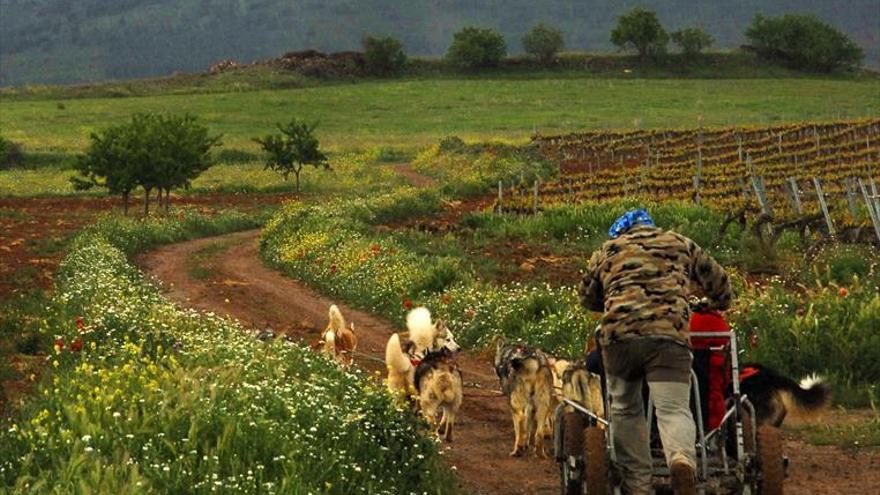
543,43
476,48
152,151
113,161
692,41
640,29
291,150
383,56
802,42
184,148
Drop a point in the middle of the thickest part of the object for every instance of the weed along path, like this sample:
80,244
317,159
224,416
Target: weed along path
225,275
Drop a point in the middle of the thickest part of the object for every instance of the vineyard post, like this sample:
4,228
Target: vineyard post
795,195
739,142
872,209
875,195
760,193
824,206
697,188
851,196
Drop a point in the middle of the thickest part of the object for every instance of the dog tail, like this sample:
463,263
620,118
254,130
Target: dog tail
444,388
807,398
395,358
337,321
421,330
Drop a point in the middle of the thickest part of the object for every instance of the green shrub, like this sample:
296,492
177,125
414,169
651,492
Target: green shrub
692,41
384,56
11,154
292,149
640,29
476,48
802,42
543,43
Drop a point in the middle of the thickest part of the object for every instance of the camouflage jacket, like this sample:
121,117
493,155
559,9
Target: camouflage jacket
641,282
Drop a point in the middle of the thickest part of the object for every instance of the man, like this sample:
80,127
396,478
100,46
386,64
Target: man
640,280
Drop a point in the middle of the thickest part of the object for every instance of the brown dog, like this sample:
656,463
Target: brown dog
337,340
527,381
439,387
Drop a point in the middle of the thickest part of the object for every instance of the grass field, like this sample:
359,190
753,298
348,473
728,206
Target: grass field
413,113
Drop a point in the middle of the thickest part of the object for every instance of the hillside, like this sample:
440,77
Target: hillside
59,41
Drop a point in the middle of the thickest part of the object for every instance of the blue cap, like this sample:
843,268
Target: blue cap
629,220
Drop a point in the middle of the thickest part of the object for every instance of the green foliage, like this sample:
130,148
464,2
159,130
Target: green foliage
476,48
692,41
384,56
293,149
829,329
153,151
11,154
640,29
178,401
803,42
543,43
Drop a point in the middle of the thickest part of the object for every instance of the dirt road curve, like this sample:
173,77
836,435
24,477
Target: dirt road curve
260,297
239,285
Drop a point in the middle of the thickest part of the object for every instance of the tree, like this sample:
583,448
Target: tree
293,149
474,48
184,152
152,151
692,40
640,29
383,56
543,43
802,42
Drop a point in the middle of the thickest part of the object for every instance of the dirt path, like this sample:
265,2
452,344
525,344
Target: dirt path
240,286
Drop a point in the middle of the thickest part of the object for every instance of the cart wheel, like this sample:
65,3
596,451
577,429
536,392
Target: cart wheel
596,461
771,462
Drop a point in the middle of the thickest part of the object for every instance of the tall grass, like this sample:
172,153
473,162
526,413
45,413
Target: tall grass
143,397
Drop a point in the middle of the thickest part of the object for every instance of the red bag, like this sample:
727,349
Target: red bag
719,370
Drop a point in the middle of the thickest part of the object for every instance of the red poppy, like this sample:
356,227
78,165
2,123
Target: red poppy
375,248
753,340
80,324
59,344
445,298
407,303
76,345
332,269
843,292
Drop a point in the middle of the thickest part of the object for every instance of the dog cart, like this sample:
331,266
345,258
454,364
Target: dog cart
733,455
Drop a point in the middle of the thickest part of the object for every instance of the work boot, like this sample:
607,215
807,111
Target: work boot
683,480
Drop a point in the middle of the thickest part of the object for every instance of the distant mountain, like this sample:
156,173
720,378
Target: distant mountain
65,41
